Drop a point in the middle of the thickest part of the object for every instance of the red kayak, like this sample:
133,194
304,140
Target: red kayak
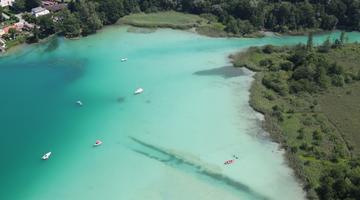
228,162
97,143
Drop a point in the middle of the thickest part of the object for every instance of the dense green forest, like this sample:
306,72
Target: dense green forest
238,16
307,95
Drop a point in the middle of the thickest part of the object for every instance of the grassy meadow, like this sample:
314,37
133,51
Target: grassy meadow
203,24
169,19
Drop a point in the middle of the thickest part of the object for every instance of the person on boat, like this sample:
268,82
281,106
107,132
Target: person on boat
228,162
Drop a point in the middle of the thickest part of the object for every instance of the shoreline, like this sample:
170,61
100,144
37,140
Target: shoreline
198,25
275,133
302,122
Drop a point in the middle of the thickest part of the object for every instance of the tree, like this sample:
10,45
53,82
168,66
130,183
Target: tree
19,5
232,25
111,11
12,33
329,22
1,12
343,37
310,43
68,24
326,46
35,35
30,4
47,26
29,17
90,21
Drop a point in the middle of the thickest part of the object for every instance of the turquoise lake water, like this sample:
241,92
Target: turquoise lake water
168,143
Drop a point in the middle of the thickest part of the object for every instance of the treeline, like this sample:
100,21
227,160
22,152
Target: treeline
244,16
305,69
341,182
239,16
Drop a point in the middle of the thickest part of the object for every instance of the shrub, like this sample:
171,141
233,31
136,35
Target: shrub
287,66
294,149
265,62
269,49
338,80
317,135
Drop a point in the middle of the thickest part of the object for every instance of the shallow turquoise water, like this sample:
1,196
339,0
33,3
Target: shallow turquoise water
168,143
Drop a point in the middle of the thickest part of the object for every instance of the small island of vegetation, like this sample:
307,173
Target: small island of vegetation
309,96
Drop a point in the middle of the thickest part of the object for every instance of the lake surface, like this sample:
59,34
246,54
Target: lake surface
170,142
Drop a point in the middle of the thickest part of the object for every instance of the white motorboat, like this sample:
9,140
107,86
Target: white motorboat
124,59
97,143
79,103
138,91
46,156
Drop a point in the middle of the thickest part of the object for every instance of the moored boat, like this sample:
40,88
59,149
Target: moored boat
79,103
138,91
46,156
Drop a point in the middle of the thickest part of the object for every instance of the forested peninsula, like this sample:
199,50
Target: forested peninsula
309,96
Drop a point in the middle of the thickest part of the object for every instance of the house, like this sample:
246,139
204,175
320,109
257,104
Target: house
39,11
4,3
5,30
48,3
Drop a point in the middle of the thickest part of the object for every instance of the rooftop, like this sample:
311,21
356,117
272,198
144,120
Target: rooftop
38,9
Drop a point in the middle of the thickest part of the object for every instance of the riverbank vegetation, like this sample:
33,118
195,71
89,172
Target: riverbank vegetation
168,19
309,96
225,18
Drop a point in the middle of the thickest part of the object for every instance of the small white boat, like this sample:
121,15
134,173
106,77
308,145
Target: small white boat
46,156
97,143
138,91
124,59
79,103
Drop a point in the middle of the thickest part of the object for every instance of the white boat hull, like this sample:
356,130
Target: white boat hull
46,156
138,91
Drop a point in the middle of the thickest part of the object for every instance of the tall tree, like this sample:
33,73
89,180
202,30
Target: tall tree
19,5
68,24
90,20
310,42
29,4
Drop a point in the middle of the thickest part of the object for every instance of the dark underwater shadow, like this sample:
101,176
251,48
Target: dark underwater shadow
179,163
225,72
52,44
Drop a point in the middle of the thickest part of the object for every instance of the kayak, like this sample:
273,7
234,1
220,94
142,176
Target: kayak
228,162
97,143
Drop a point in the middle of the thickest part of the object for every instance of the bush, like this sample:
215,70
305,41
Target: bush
300,136
287,66
294,149
209,17
268,49
317,135
338,80
265,62
276,83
